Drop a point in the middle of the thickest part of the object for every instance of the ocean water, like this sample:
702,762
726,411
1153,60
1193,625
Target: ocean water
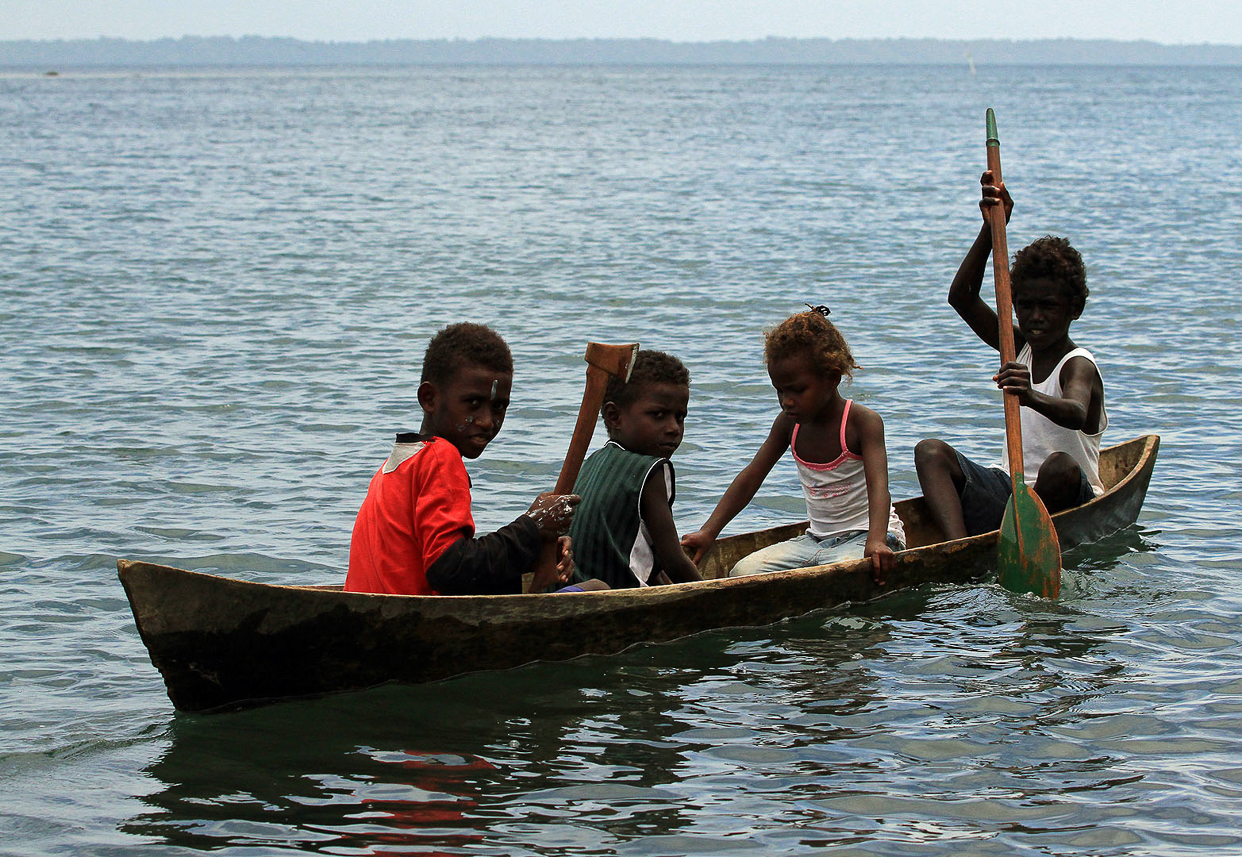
215,289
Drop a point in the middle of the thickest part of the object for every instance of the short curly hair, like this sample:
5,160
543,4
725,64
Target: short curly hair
464,343
650,367
1052,258
810,334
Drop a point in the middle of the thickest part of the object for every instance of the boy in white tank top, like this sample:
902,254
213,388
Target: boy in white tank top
1057,383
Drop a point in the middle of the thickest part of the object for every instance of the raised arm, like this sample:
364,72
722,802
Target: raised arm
964,290
742,490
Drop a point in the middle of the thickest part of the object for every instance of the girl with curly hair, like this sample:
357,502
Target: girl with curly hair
838,447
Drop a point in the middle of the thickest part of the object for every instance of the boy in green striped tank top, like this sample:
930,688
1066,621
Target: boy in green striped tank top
623,532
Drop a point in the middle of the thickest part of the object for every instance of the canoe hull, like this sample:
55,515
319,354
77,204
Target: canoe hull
222,643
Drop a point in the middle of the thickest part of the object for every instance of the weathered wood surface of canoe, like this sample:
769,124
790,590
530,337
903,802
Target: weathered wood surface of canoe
222,643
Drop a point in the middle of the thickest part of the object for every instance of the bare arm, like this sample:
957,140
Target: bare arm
659,520
870,430
964,290
1080,386
742,490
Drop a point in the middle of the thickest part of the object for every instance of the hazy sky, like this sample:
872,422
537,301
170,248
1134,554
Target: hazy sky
1168,21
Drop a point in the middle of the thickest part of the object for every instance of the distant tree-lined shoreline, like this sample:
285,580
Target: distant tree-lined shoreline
264,51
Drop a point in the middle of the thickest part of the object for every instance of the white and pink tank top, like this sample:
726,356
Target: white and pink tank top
836,492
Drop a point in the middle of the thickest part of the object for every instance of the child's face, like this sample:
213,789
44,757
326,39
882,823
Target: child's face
468,409
1044,312
803,393
653,424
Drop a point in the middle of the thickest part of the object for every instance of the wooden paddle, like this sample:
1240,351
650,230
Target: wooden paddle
602,361
1029,554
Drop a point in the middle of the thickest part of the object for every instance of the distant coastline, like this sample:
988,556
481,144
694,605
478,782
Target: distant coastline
264,51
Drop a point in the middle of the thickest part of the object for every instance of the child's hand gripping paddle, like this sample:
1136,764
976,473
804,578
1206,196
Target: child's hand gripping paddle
602,361
1029,554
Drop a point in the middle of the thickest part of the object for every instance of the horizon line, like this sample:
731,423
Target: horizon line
566,39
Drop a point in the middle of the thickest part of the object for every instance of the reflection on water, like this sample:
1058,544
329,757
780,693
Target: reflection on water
304,777
604,741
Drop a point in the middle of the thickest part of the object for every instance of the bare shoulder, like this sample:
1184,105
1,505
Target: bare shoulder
863,416
782,426
654,496
864,427
1080,369
779,436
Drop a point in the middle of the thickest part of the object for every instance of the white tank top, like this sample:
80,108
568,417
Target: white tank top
836,492
1041,436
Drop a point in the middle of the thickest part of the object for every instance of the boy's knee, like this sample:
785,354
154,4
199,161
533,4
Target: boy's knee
931,453
1058,480
1060,467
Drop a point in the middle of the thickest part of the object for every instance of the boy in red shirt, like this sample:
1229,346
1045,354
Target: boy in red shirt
414,534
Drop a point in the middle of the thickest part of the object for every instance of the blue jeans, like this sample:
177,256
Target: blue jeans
806,550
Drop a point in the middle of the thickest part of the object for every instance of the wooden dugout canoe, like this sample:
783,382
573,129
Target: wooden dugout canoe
223,643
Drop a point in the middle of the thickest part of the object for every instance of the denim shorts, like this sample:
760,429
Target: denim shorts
807,550
986,493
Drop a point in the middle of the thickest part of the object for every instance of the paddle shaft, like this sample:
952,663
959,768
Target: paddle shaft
602,362
1028,551
588,415
1004,302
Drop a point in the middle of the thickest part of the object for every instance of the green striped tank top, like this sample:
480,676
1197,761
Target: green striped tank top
610,541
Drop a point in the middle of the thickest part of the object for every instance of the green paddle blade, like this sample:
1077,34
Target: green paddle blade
1029,554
